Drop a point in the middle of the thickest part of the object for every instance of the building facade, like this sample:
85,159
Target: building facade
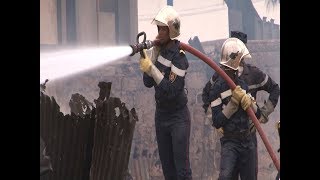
88,22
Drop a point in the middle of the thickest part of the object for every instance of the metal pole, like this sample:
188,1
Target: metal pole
98,10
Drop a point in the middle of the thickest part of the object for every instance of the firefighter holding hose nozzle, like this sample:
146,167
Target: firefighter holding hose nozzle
165,70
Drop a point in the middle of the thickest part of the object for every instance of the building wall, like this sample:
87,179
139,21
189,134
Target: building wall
244,17
258,28
132,16
78,22
107,31
127,84
207,19
235,20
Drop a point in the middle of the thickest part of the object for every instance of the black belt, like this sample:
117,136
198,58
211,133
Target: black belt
237,134
170,106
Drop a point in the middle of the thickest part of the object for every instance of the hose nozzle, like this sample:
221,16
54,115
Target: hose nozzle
145,44
140,46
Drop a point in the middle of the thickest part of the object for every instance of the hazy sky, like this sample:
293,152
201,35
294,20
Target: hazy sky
207,19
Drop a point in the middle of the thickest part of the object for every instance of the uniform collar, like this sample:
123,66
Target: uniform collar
173,48
245,70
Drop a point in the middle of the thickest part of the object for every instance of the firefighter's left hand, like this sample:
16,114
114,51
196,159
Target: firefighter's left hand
266,110
145,63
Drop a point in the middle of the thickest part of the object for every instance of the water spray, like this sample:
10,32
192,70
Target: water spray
63,63
147,44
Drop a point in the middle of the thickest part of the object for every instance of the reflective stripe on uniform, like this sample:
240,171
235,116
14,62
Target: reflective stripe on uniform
164,61
211,81
253,86
223,95
226,93
240,71
216,102
178,71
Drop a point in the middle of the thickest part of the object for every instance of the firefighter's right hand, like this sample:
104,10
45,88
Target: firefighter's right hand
147,66
246,101
238,93
145,63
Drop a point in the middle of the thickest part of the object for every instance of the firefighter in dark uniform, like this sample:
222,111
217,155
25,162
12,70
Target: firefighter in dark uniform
229,113
256,80
278,128
165,70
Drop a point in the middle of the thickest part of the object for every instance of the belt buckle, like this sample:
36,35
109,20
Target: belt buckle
245,133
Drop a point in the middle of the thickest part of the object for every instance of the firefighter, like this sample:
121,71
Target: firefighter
45,162
257,80
229,113
165,70
278,128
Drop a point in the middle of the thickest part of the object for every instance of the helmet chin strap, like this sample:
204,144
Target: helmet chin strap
240,70
230,72
166,44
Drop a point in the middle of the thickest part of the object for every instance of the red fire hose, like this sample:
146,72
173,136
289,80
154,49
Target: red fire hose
148,44
232,85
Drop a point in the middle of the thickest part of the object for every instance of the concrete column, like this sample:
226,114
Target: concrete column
277,31
264,28
48,22
273,29
86,22
134,20
63,21
127,16
107,33
258,28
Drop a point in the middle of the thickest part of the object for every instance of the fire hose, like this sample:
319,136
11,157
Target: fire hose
147,44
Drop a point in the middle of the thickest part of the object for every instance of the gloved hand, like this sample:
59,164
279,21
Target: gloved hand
246,101
266,110
220,130
145,63
238,93
231,107
208,117
148,67
252,128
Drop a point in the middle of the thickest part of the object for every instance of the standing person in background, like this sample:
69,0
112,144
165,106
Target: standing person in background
238,151
256,80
